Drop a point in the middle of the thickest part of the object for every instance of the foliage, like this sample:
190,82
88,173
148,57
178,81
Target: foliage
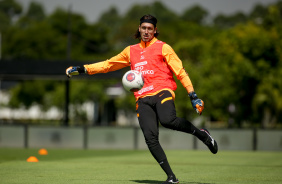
233,60
25,95
195,14
35,12
8,10
40,44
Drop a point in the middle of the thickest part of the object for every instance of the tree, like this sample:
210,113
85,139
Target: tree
235,62
35,11
267,104
223,21
10,7
24,95
38,41
273,16
195,14
110,18
258,13
4,21
8,10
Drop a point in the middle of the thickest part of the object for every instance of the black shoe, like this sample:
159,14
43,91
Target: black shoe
171,179
210,142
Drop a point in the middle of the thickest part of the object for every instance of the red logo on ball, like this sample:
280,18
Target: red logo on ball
130,77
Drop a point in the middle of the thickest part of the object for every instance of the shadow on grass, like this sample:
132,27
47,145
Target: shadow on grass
146,181
155,181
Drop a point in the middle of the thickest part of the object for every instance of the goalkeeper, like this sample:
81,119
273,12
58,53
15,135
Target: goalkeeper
155,101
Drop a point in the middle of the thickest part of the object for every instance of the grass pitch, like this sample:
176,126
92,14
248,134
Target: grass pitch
134,167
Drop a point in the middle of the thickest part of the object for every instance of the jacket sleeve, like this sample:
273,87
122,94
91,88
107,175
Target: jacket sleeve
115,63
176,66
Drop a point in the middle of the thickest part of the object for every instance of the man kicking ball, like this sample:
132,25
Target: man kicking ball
155,101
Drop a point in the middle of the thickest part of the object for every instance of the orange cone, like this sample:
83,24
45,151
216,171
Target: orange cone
43,152
32,159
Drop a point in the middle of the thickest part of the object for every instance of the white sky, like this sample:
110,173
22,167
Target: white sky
92,9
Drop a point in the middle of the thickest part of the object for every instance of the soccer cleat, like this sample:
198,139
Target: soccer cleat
210,142
171,179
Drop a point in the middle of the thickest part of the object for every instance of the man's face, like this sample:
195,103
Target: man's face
147,31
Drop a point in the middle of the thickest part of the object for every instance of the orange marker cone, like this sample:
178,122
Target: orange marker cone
32,159
43,152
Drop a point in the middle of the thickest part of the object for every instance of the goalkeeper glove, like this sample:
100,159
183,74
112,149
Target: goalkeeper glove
75,70
197,103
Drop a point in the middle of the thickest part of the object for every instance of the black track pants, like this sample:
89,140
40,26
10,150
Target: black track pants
160,108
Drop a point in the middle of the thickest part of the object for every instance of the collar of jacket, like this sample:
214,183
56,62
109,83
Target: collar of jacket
147,44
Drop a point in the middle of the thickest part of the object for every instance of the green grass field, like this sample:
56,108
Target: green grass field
135,167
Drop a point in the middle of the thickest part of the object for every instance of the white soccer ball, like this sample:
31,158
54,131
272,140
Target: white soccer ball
133,80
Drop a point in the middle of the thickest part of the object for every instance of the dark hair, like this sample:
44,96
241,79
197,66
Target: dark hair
147,18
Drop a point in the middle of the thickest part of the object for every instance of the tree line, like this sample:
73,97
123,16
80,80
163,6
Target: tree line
234,61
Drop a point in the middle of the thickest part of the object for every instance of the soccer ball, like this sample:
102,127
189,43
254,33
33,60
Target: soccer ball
133,81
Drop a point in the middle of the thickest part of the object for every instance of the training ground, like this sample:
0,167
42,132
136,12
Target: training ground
138,166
